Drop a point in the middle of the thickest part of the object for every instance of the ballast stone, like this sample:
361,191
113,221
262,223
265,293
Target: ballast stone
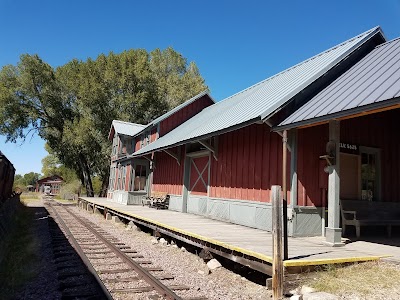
213,264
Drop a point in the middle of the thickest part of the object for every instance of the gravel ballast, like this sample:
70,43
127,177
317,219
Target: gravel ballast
187,268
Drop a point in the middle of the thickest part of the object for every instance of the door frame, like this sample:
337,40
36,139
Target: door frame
377,151
186,175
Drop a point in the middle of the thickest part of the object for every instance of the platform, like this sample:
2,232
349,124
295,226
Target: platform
249,246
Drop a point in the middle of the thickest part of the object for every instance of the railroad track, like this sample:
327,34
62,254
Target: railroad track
121,272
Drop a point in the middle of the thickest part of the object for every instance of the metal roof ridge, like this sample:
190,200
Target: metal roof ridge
366,33
388,42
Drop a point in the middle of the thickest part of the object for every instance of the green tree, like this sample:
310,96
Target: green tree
72,107
22,181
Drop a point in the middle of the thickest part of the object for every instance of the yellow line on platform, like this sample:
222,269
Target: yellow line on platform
197,236
329,261
288,263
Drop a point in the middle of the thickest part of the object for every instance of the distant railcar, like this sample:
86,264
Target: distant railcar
7,172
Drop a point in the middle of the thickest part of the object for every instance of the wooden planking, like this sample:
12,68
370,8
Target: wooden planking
248,164
168,175
311,144
250,241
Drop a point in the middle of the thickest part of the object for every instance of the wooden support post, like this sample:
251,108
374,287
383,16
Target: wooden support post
284,199
277,263
333,231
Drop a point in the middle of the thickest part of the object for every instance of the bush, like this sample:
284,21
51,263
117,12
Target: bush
68,190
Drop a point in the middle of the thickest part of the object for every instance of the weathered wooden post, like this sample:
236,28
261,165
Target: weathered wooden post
277,262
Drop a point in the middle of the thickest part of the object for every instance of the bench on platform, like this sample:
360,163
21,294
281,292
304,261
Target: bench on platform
360,213
158,200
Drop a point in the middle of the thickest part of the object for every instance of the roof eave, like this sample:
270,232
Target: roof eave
340,115
199,138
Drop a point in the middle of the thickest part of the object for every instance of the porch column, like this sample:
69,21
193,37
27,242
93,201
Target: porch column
186,179
333,231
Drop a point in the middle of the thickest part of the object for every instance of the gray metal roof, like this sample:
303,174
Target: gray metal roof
125,128
260,100
367,85
176,109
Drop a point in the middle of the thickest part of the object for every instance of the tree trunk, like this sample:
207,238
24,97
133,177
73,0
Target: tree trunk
86,175
104,185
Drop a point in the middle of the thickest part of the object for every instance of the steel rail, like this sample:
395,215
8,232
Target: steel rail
143,273
82,255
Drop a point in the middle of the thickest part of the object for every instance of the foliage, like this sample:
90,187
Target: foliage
21,249
97,182
71,188
23,181
72,106
51,165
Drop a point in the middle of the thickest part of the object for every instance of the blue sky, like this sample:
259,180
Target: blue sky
234,43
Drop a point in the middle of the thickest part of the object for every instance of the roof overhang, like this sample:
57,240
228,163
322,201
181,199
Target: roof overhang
197,139
343,115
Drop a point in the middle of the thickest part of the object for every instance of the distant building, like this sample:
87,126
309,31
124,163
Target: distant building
54,182
30,188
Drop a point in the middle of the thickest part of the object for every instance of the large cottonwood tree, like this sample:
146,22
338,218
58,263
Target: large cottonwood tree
72,106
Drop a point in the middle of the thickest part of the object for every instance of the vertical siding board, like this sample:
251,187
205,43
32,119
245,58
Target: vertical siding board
245,166
239,169
265,181
168,175
183,115
223,168
258,164
300,199
250,164
234,164
229,163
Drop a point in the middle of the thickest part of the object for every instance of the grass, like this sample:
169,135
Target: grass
29,196
58,199
21,249
363,279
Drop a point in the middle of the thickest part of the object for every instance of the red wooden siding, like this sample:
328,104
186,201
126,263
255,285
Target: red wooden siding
184,114
249,162
168,175
310,171
137,143
379,131
153,135
127,177
376,130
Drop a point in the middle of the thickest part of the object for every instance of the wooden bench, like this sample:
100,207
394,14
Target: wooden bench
367,213
158,200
